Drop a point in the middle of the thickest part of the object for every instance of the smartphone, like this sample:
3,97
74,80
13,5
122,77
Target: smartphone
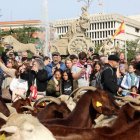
85,66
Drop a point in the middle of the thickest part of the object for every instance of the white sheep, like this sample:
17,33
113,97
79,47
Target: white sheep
26,127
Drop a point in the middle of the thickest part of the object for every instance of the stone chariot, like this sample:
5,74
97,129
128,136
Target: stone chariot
75,40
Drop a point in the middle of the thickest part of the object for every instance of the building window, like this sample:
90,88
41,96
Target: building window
95,26
111,24
106,34
100,34
95,34
136,30
103,25
108,24
90,34
112,32
100,25
90,27
103,34
114,24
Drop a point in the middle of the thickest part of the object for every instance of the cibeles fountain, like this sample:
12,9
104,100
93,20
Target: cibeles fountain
45,24
75,39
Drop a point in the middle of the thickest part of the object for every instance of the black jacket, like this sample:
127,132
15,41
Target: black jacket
41,79
109,80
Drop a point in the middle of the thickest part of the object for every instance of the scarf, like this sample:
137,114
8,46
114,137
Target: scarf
56,81
133,78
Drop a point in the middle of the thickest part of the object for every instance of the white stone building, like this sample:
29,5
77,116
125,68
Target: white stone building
103,26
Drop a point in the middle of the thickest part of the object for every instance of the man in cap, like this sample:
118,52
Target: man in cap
55,64
109,77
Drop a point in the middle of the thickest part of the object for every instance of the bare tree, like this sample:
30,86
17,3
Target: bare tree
87,2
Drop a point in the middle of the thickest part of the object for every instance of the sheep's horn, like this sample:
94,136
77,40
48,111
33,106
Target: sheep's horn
28,107
48,98
130,99
135,107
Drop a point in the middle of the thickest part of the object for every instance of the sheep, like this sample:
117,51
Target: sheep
25,127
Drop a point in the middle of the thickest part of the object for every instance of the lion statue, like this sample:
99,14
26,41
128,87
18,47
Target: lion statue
17,46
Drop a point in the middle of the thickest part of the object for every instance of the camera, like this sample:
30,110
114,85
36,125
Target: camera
9,47
85,66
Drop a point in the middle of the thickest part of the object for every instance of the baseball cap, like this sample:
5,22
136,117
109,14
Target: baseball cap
55,54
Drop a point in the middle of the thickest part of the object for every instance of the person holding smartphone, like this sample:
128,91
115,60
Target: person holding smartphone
81,71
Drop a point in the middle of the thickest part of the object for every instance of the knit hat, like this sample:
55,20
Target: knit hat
113,58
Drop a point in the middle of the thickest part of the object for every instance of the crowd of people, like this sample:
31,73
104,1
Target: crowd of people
54,76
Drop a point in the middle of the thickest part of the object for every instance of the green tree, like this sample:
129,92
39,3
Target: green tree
132,48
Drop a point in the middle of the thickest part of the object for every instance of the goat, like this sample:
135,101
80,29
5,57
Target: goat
19,103
53,110
3,107
88,106
25,127
126,127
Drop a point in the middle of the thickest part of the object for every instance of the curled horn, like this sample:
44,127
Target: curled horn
85,88
134,106
130,99
28,107
78,90
48,98
73,92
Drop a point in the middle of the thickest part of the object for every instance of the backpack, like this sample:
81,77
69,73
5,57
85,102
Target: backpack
99,83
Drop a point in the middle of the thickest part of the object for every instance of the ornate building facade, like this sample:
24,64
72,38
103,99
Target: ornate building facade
103,26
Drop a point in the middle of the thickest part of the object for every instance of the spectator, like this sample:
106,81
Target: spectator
134,89
130,79
55,64
39,77
137,58
46,60
24,72
121,71
96,74
9,72
24,56
122,58
81,71
68,63
68,84
104,59
74,59
53,87
90,53
109,77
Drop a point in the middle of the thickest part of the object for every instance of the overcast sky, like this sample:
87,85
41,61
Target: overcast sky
60,9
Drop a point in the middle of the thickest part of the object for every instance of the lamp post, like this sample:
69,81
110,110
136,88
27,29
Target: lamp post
46,25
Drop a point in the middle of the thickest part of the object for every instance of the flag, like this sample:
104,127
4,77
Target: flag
120,30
